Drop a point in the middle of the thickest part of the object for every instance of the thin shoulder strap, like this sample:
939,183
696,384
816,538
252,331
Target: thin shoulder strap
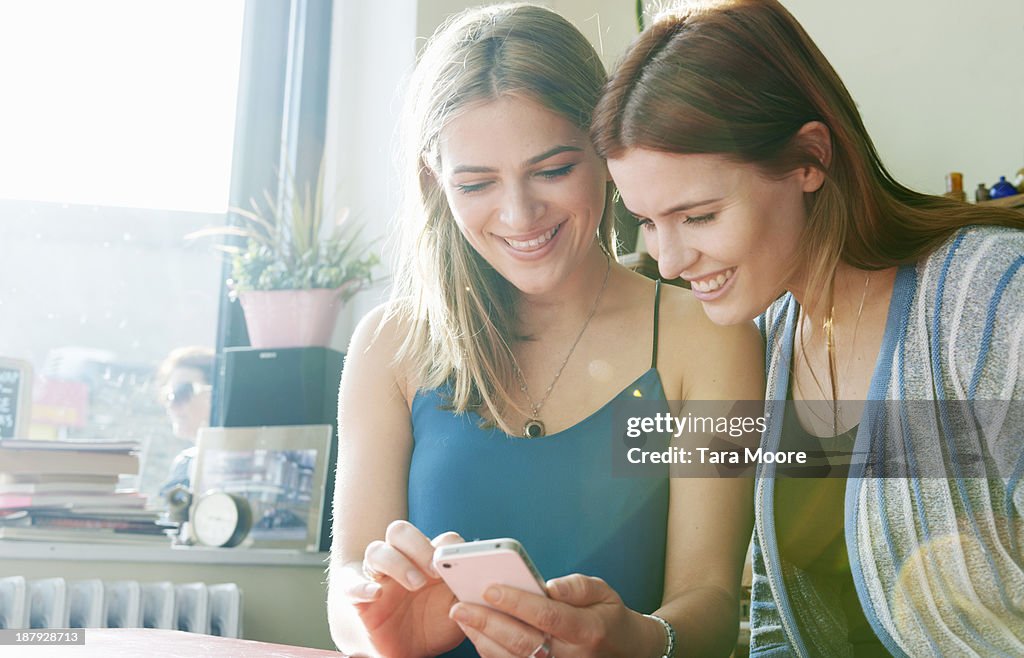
657,305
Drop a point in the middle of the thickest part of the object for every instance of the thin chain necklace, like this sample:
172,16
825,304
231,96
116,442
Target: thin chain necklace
830,346
533,427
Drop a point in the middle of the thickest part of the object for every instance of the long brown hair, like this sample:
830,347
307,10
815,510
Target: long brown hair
739,78
460,312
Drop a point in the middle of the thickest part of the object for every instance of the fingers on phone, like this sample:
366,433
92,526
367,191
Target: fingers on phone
496,634
443,539
447,539
578,590
553,617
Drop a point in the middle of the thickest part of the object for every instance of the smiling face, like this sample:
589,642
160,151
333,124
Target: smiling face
526,189
724,227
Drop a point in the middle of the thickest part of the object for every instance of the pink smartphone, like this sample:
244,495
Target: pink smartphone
472,567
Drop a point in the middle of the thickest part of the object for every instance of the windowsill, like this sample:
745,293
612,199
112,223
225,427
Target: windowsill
27,550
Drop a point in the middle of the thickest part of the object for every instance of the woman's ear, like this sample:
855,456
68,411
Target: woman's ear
817,139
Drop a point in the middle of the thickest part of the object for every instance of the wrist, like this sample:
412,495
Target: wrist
667,634
650,637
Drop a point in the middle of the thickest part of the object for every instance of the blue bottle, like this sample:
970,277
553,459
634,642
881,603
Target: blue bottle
1002,189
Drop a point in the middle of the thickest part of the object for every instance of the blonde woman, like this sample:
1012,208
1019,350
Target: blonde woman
744,157
477,402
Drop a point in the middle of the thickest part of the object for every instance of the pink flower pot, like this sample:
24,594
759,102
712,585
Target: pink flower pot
291,318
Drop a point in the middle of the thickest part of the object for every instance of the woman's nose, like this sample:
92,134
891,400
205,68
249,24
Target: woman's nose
520,208
674,256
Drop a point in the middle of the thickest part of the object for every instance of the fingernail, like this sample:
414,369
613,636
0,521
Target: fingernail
461,615
416,579
492,595
371,589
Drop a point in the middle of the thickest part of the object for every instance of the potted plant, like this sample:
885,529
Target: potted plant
293,274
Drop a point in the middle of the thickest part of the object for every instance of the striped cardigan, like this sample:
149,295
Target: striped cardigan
937,561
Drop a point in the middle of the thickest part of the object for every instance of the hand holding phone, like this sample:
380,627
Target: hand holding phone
470,568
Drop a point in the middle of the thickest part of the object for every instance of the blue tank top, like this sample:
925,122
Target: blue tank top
555,494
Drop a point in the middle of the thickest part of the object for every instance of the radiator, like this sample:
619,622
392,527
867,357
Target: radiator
59,603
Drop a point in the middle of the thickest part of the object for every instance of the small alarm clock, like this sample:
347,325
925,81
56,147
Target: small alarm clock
221,519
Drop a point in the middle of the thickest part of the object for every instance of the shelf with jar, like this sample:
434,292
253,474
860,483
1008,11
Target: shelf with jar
1003,194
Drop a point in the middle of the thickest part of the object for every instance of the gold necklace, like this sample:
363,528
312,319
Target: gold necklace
533,427
830,345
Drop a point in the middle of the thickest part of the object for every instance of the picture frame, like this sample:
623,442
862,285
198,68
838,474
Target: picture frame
15,398
280,470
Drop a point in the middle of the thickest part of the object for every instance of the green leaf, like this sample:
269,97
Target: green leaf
283,247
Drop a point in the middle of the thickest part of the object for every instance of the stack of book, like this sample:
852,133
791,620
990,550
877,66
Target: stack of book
67,491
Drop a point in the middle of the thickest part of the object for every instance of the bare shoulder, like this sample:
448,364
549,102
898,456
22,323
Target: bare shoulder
371,353
683,319
376,330
716,360
683,324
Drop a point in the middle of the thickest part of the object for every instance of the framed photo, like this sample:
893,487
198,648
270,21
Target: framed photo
280,470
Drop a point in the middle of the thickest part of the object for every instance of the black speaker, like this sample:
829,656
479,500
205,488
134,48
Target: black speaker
287,386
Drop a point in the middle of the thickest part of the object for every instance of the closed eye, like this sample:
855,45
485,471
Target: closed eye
557,173
547,174
648,225
643,223
469,188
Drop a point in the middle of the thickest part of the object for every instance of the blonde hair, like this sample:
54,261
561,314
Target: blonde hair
460,314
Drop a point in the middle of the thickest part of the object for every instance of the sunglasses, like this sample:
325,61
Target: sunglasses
184,392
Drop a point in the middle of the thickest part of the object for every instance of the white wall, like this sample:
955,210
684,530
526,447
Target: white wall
609,24
373,52
939,84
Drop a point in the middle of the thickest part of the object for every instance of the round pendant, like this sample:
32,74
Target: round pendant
533,429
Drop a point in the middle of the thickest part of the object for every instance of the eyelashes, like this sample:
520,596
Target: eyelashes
647,225
473,187
547,174
556,173
644,224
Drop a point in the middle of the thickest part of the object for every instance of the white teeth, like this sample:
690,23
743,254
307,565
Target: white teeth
532,244
712,284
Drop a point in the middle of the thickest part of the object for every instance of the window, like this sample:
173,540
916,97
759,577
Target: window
118,130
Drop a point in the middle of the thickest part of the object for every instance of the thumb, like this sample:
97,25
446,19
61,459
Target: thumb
579,590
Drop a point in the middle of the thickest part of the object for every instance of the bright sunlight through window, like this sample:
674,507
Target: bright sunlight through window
119,102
